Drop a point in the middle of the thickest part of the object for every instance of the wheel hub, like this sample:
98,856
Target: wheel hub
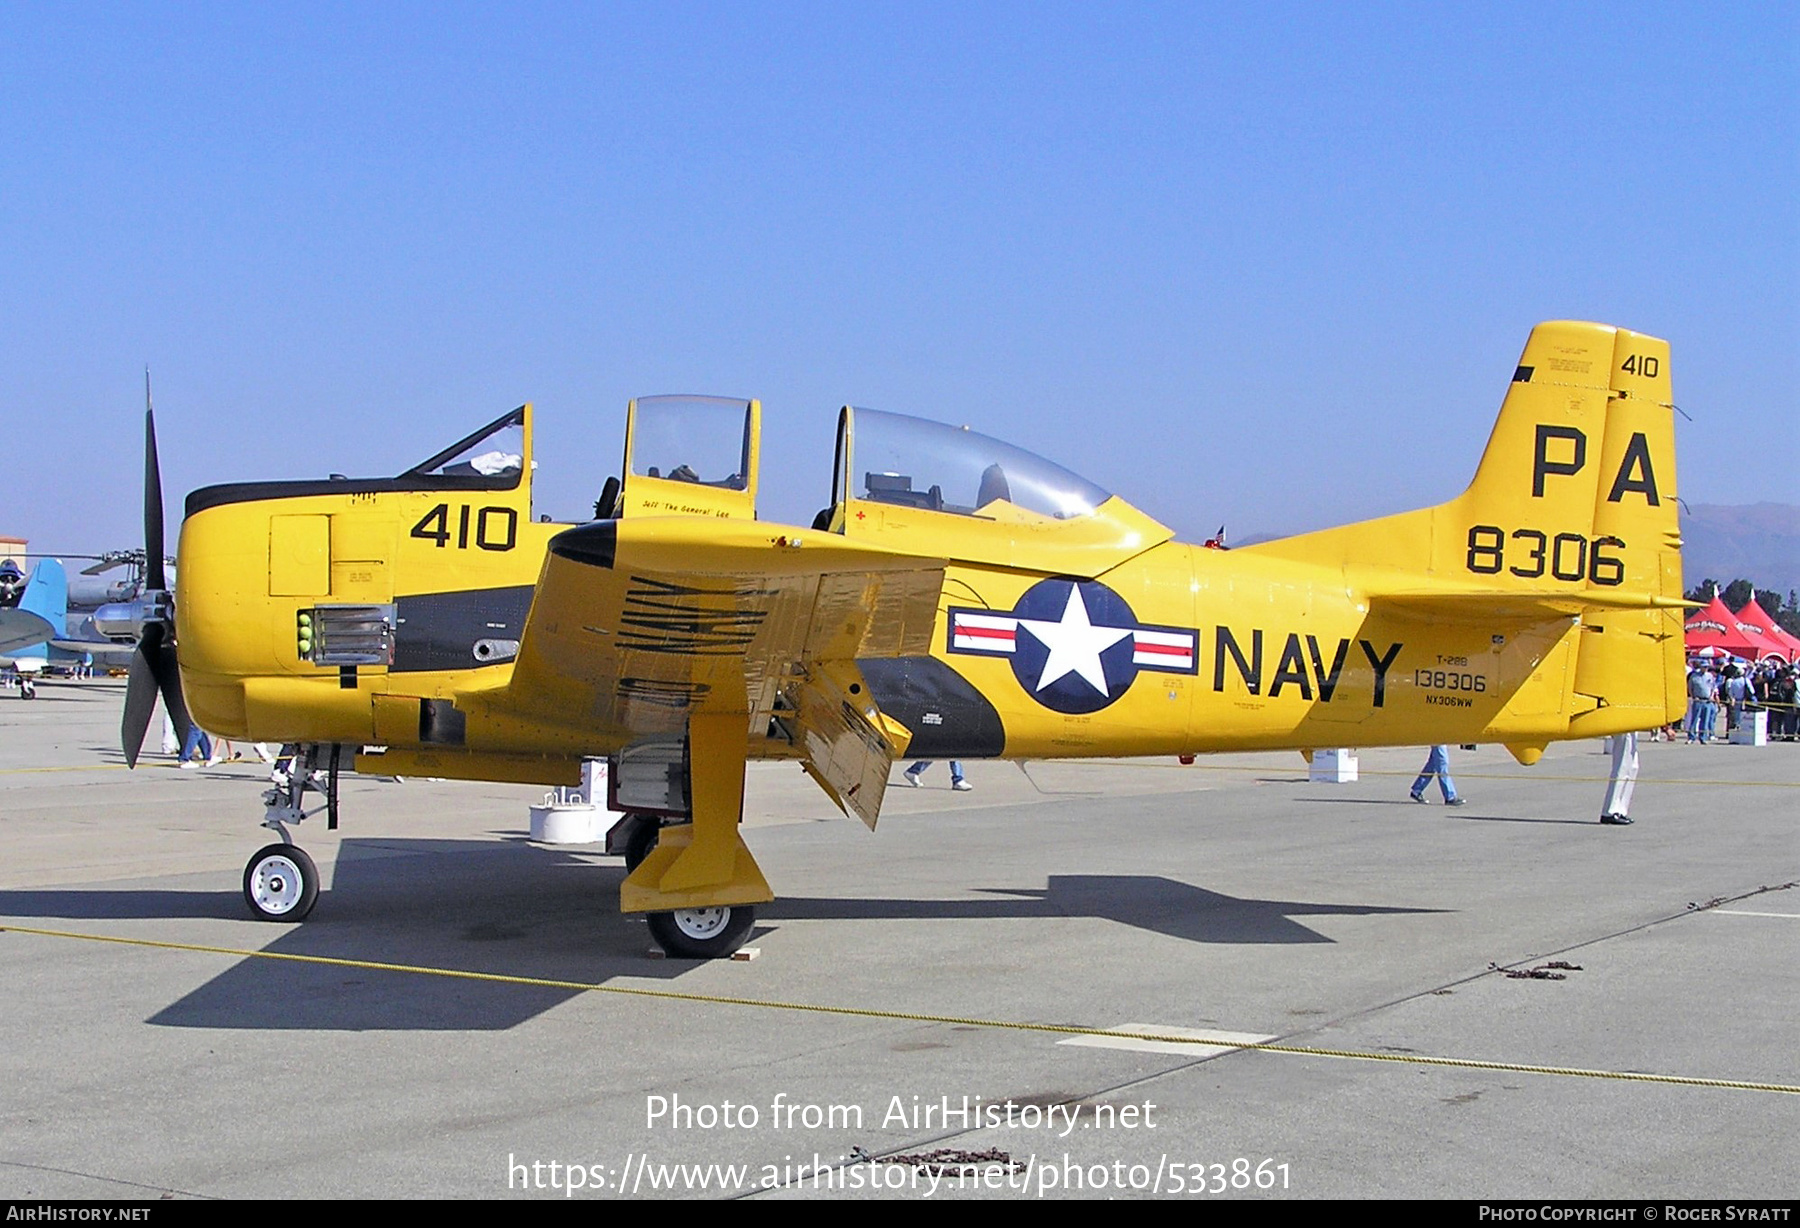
277,885
702,923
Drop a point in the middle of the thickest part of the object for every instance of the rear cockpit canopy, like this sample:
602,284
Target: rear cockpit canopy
950,492
912,462
687,456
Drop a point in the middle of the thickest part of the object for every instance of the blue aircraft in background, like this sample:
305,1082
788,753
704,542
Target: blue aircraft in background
34,632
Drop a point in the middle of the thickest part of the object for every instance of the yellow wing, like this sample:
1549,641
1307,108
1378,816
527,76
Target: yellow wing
639,624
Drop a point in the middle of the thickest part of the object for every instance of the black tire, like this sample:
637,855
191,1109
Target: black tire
281,883
640,839
702,933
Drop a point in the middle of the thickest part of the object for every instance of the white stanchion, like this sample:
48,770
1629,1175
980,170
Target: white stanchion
1335,767
575,816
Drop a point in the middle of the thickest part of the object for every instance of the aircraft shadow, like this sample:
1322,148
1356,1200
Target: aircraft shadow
121,905
510,910
1146,902
531,913
1515,818
1461,816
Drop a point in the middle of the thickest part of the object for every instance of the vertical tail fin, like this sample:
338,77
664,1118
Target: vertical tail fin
1575,494
1577,485
47,596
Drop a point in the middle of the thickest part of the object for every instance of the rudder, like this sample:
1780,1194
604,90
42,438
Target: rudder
1629,665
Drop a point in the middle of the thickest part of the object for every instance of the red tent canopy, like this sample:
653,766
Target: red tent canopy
1717,627
1753,617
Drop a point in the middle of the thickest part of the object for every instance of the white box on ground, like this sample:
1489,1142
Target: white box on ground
1752,729
574,823
1333,767
575,816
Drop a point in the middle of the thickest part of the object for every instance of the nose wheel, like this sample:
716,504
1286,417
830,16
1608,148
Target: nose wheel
281,883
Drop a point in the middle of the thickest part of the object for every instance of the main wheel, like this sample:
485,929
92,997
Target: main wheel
640,839
281,883
702,933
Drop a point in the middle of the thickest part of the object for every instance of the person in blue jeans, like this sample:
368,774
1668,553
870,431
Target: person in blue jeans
957,782
1703,707
197,749
1437,764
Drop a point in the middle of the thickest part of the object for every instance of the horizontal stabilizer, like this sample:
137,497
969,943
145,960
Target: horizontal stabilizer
1466,605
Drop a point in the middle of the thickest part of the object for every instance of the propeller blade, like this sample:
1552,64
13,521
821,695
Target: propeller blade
168,679
153,506
140,696
153,669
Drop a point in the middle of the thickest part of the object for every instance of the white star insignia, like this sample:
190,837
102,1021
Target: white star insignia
1075,644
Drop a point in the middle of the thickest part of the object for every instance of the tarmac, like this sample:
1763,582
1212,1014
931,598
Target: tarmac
998,994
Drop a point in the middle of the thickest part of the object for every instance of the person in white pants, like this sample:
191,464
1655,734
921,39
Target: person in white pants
1614,811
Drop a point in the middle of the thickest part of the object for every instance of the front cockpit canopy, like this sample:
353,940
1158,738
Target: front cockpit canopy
957,494
495,453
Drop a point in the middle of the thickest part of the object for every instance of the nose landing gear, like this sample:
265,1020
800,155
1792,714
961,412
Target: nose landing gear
281,883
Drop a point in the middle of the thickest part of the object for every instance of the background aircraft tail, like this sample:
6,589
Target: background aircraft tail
1573,507
46,595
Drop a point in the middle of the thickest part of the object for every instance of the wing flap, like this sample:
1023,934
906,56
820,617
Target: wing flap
846,748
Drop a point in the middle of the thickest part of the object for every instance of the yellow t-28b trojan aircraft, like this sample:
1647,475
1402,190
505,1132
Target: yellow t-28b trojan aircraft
959,598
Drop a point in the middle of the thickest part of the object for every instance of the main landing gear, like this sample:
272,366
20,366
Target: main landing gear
281,883
695,880
710,932
702,933
634,837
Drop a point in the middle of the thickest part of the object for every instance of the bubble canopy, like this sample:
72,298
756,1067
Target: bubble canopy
912,462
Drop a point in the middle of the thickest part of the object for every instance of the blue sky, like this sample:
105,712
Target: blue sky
1263,265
